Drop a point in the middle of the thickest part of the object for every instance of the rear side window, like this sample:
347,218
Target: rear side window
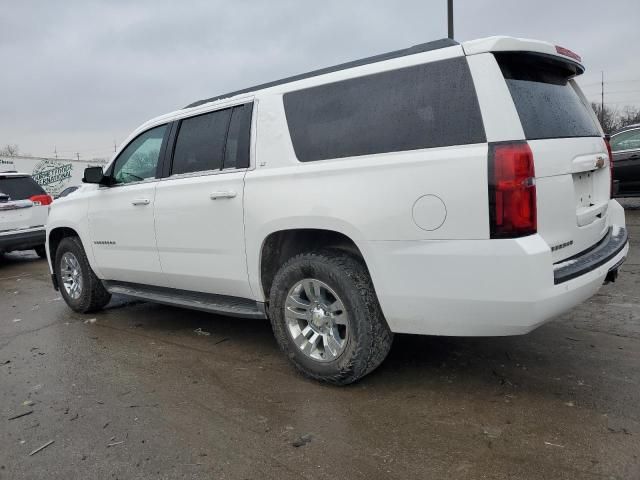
547,103
200,143
425,106
213,141
239,138
20,188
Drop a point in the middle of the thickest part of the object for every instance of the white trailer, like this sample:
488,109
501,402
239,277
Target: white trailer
53,174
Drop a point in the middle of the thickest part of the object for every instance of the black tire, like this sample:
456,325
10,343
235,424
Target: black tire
93,295
41,251
369,339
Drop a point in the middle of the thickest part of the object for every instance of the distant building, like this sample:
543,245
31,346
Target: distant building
53,174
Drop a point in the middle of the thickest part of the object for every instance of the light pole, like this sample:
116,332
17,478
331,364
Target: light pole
450,18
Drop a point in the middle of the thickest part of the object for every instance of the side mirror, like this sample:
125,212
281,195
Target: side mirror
94,175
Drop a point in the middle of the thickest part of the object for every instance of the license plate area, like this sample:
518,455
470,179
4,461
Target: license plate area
583,188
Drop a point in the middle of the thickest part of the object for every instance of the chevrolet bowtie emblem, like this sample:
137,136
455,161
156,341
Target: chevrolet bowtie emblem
600,162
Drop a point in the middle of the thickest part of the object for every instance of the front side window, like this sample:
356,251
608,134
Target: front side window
139,160
629,140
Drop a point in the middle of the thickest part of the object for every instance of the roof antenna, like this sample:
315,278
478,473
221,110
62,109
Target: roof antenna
450,18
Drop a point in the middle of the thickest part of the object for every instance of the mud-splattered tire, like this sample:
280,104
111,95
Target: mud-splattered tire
366,338
90,294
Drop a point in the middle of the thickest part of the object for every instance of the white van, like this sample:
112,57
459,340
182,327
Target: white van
445,189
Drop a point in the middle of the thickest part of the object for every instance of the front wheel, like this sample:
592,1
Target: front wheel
79,286
326,317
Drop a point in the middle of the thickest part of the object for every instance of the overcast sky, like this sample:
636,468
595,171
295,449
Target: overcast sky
77,75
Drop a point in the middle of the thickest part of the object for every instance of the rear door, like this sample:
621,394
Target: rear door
570,155
17,211
626,159
199,206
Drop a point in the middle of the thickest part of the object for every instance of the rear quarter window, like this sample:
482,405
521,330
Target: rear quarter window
424,106
20,188
546,100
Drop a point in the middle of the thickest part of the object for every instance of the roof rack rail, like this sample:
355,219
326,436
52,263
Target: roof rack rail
423,47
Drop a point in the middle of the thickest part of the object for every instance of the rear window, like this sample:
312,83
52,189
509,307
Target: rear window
546,101
20,188
425,106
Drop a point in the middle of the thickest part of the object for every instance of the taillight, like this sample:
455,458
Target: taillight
41,199
606,141
512,190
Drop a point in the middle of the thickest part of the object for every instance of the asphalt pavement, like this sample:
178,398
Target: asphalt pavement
148,391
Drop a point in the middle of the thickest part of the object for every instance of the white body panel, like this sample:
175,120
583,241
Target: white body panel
420,218
22,221
511,44
122,231
23,216
200,233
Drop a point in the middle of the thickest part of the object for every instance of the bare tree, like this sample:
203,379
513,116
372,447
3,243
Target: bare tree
10,150
609,118
629,115
613,119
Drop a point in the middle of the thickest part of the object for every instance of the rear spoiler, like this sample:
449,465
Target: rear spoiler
511,44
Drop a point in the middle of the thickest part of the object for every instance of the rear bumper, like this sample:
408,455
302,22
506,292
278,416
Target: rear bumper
22,240
478,287
609,247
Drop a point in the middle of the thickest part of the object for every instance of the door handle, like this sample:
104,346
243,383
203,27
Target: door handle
227,194
140,201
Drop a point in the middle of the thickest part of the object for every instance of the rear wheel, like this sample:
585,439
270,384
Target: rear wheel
79,286
326,317
41,251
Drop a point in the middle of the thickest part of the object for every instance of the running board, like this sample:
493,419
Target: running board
207,302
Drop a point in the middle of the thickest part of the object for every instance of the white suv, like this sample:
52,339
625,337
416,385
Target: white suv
445,189
24,206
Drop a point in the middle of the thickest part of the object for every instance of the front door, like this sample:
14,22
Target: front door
121,220
199,207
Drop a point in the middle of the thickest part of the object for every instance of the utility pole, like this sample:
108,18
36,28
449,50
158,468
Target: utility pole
55,151
450,18
114,146
602,99
78,155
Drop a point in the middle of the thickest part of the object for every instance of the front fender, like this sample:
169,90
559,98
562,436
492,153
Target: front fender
72,212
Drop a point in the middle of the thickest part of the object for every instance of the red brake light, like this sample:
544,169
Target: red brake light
568,53
512,190
43,199
606,141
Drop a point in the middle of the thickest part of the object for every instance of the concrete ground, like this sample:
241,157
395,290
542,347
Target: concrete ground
139,391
